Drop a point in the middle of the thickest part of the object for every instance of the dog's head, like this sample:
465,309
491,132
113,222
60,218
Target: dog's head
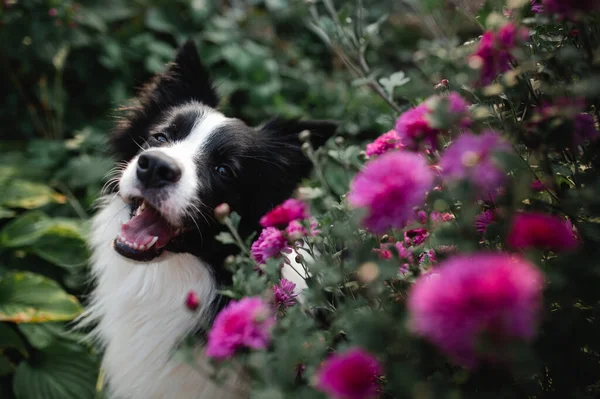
182,158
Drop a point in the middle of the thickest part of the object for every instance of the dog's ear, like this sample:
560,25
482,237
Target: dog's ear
279,163
185,80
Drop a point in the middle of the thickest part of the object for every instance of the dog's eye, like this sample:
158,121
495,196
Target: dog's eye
161,138
223,170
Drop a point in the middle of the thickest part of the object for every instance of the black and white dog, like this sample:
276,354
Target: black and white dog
153,238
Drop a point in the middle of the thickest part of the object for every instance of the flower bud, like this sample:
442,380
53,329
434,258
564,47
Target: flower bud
306,147
229,260
299,258
304,136
192,301
222,212
368,272
339,141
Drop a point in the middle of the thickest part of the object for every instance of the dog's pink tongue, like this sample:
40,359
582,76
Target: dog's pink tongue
142,229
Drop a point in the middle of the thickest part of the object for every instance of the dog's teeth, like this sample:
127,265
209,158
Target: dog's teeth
142,247
129,244
120,238
151,243
143,206
135,246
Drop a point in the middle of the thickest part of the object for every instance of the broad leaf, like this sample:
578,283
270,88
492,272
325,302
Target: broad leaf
25,230
28,195
62,244
31,298
59,372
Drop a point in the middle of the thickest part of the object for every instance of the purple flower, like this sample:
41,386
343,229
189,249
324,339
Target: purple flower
415,236
536,7
585,129
284,293
485,295
269,244
350,375
389,188
470,157
242,324
483,220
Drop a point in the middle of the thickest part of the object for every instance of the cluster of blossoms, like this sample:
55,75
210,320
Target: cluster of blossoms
416,128
273,241
493,55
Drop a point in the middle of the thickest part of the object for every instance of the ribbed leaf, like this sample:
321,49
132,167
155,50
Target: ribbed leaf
59,372
63,244
31,298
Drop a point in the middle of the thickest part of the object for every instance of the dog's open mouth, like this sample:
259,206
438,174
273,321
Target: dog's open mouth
145,235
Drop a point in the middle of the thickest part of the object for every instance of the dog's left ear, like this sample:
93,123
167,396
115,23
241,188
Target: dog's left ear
279,164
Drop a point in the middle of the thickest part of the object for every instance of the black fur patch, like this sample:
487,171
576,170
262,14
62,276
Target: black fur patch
265,163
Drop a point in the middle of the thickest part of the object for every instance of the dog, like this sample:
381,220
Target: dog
153,238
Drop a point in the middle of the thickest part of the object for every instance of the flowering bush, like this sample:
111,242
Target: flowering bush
455,256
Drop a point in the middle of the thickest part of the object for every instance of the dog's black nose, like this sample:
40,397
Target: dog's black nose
156,170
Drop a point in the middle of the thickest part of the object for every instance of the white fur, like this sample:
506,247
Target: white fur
141,318
140,308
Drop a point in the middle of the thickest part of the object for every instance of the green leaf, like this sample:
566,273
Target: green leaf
28,195
6,213
10,339
39,335
235,219
25,230
60,372
63,244
31,298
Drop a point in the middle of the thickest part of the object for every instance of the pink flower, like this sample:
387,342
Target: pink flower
242,324
296,230
389,187
493,54
415,236
350,375
53,12
283,214
416,128
483,220
470,157
269,244
538,185
536,7
570,8
284,293
386,142
437,217
541,231
485,295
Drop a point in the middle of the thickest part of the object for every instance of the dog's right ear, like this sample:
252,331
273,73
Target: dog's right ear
185,80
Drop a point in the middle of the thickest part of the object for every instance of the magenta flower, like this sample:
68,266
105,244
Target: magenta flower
386,142
494,52
389,187
541,231
284,293
242,324
415,127
536,7
350,375
269,244
483,220
470,157
283,214
415,237
585,129
428,257
485,295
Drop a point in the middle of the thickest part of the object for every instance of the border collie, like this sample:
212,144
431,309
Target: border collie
153,240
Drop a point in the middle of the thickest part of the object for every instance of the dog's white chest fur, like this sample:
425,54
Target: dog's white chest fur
141,318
